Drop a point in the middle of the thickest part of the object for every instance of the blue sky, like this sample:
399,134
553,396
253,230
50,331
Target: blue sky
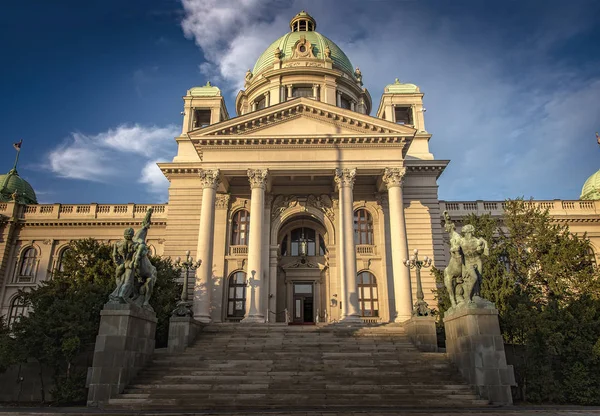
512,88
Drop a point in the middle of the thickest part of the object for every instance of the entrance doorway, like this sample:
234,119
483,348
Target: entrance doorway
303,312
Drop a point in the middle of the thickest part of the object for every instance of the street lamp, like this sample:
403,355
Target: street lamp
421,307
184,308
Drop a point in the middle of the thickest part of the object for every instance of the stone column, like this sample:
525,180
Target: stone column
392,177
344,178
289,92
316,91
203,286
339,99
352,105
256,272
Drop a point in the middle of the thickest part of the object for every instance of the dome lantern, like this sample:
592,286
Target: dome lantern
303,22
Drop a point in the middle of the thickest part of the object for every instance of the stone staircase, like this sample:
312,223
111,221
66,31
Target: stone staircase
270,367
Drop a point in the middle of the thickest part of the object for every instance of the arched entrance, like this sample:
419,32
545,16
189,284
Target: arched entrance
302,269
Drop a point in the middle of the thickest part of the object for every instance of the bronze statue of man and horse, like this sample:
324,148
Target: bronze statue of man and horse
462,276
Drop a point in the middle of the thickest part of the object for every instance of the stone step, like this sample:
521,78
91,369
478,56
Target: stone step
249,368
287,402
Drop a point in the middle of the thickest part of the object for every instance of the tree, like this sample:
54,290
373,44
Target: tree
547,291
64,315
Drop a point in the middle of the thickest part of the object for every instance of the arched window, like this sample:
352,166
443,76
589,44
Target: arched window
363,227
17,309
27,265
61,259
367,294
236,302
240,228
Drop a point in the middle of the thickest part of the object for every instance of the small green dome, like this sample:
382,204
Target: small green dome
591,188
207,90
400,88
286,45
11,183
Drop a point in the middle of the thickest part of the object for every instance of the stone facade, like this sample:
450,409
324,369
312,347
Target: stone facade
302,207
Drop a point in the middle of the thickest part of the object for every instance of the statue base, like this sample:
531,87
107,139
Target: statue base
183,330
421,331
125,343
475,344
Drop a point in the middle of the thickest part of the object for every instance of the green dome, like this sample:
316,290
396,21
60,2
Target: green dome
11,183
591,188
319,42
400,88
207,90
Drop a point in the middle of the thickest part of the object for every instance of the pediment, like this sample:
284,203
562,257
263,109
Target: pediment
303,116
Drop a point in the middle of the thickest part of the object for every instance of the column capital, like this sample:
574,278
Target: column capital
345,177
393,177
222,201
258,178
209,178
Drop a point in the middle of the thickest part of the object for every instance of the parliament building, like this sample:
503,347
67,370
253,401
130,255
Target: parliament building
302,206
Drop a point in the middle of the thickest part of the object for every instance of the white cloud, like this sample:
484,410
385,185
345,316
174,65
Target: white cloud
127,151
154,178
232,34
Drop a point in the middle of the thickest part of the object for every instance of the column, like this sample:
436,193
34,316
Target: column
203,286
339,99
352,105
344,179
267,99
289,92
392,177
316,91
256,271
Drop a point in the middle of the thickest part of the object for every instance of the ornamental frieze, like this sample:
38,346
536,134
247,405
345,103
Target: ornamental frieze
322,203
281,203
345,177
209,178
258,178
393,176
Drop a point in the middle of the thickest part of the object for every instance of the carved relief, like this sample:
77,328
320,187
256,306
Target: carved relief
258,178
393,176
323,203
281,203
345,177
209,178
222,201
303,49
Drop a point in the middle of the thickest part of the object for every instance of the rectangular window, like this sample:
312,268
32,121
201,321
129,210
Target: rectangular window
403,115
302,92
201,118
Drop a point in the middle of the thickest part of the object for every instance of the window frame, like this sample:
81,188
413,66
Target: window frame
363,227
233,283
373,292
237,220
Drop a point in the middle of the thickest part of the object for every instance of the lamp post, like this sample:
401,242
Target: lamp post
184,307
421,307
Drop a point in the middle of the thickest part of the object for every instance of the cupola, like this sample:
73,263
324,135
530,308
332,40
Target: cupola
303,22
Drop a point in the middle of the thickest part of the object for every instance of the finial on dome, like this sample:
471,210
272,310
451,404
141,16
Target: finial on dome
303,22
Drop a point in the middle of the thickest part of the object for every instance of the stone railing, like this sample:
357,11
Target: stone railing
370,319
238,250
496,208
90,211
365,249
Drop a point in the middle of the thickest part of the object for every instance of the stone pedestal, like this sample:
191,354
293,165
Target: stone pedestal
182,332
124,345
475,344
421,330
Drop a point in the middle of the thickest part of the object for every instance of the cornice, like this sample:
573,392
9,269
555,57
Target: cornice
89,223
306,106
